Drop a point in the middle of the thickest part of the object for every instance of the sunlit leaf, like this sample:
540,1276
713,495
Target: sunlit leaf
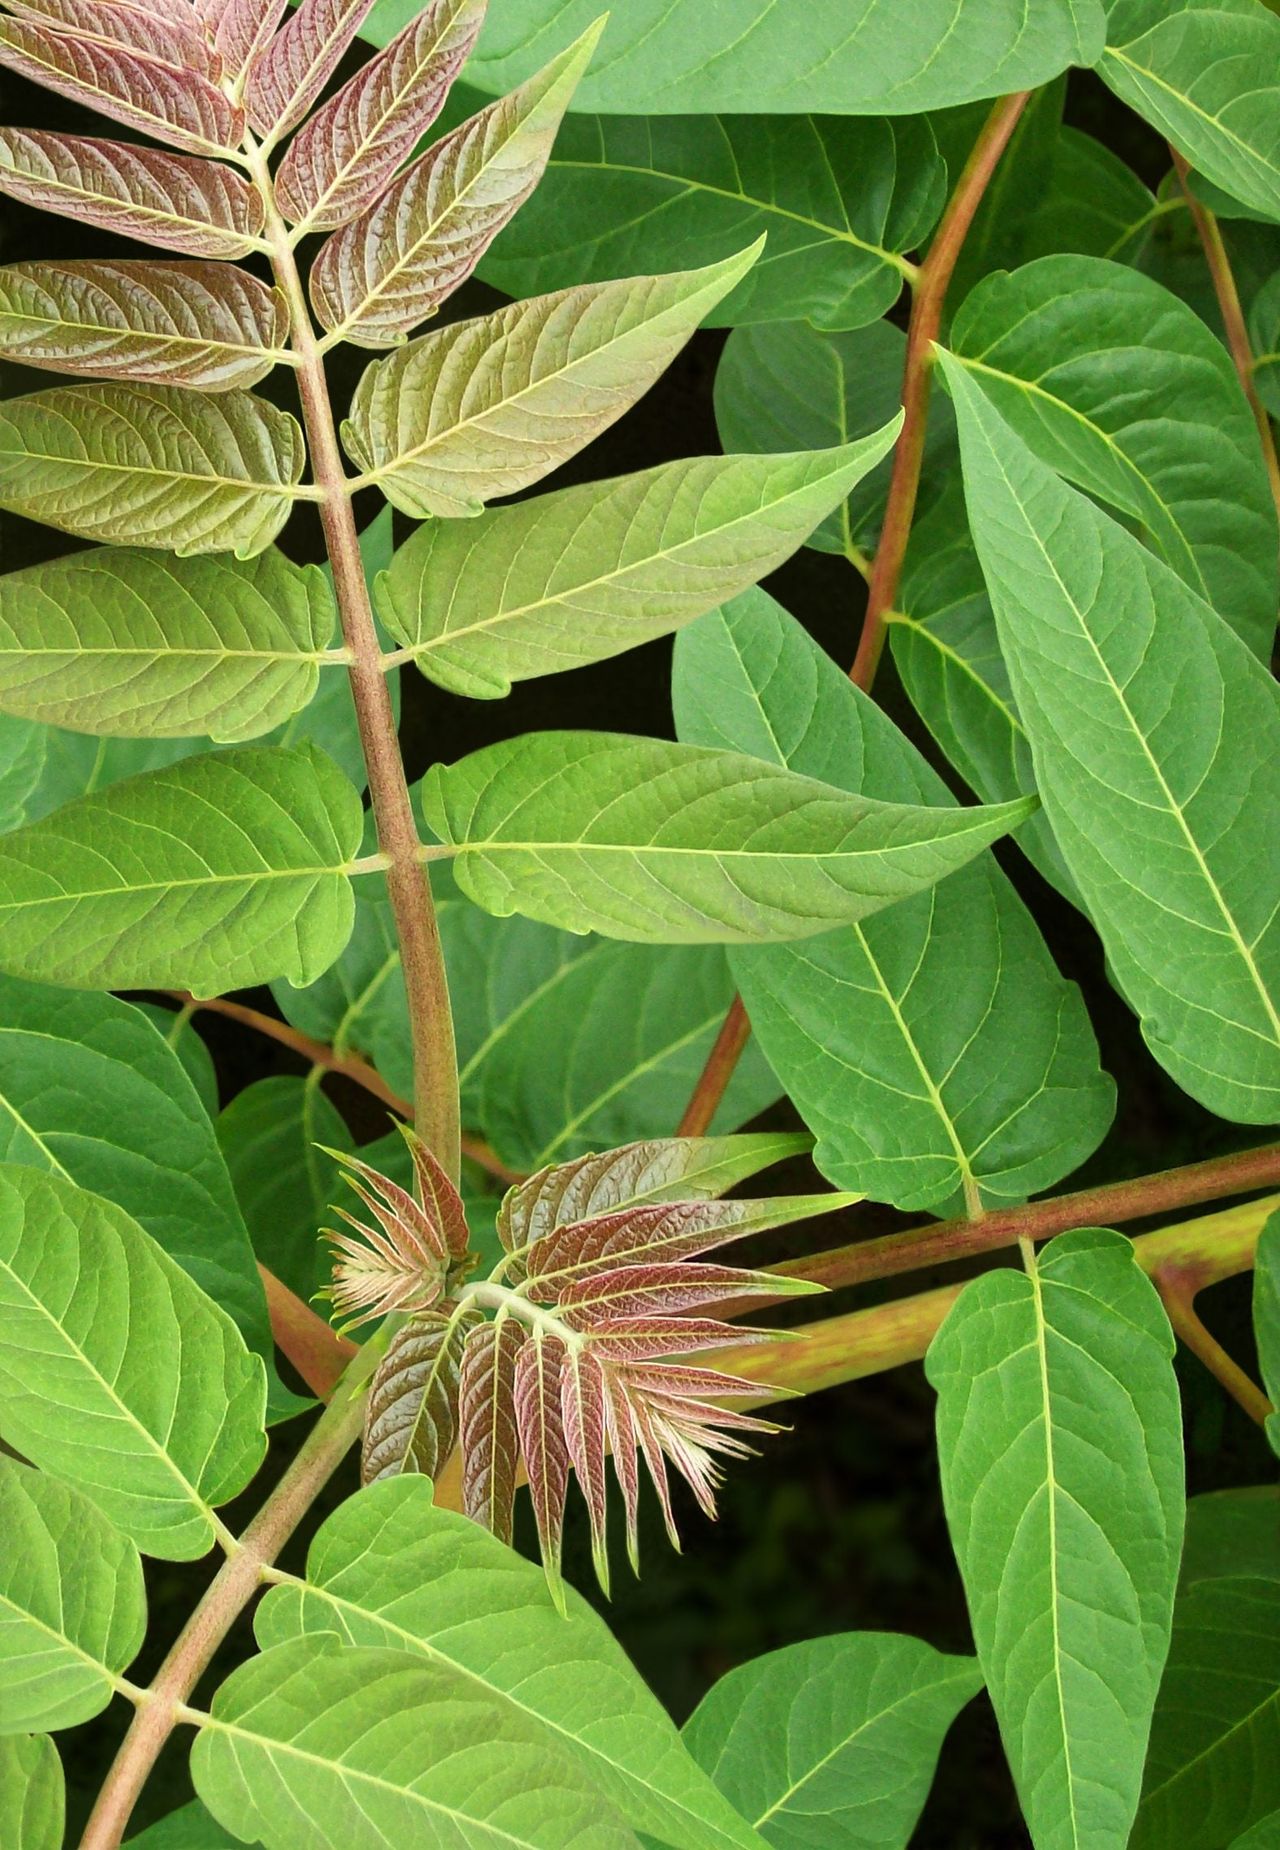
112,891
287,78
133,643
202,208
32,1800
119,1374
205,326
72,1603
581,575
378,277
485,407
649,841
151,465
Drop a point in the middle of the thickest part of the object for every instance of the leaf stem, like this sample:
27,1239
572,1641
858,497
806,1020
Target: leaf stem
713,1081
1224,287
422,959
923,330
1179,1303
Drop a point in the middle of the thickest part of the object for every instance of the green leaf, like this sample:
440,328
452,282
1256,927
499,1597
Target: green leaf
1266,1317
177,1030
1061,1453
314,1742
134,644
90,1092
581,575
152,465
389,1569
483,408
1264,337
73,1609
112,892
119,1374
1122,390
664,56
1166,836
1232,1532
790,386
660,843
935,1051
22,760
1206,75
841,202
838,1736
1214,1765
188,1828
1265,1835
32,1799
1093,203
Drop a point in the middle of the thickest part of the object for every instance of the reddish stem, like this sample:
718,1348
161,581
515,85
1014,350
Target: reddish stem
713,1082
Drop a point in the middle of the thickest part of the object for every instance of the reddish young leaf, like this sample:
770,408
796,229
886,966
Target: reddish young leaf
546,1455
199,207
209,327
655,1463
622,1443
293,70
636,1174
243,31
642,1339
439,1197
342,158
487,1424
400,1265
584,1412
378,277
177,106
668,1290
411,1420
174,37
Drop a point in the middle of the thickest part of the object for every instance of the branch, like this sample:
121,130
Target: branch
1224,287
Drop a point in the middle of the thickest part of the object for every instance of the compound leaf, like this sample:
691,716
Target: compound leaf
119,1373
298,61
838,1735
136,645
485,407
654,842
72,1604
1172,843
152,465
411,1421
581,575
32,1795
1060,1446
112,892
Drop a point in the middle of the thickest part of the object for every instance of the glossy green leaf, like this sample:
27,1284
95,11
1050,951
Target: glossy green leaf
1128,685
73,1609
935,1051
388,1569
841,201
134,644
317,1743
669,55
662,843
1214,1765
118,1373
1205,74
581,575
32,1798
112,891
1122,390
833,1741
89,1092
1266,1317
1059,1439
483,408
152,465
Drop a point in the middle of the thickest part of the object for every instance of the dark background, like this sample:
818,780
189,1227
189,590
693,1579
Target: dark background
840,1526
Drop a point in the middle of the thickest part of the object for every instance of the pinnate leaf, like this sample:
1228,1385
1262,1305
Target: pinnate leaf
152,465
540,1425
578,576
1059,1438
644,840
838,1735
487,1434
72,1603
340,160
111,892
411,1420
317,1742
379,276
390,1569
483,408
202,208
119,1373
242,30
165,35
1171,843
32,1797
295,66
133,644
205,326
175,105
